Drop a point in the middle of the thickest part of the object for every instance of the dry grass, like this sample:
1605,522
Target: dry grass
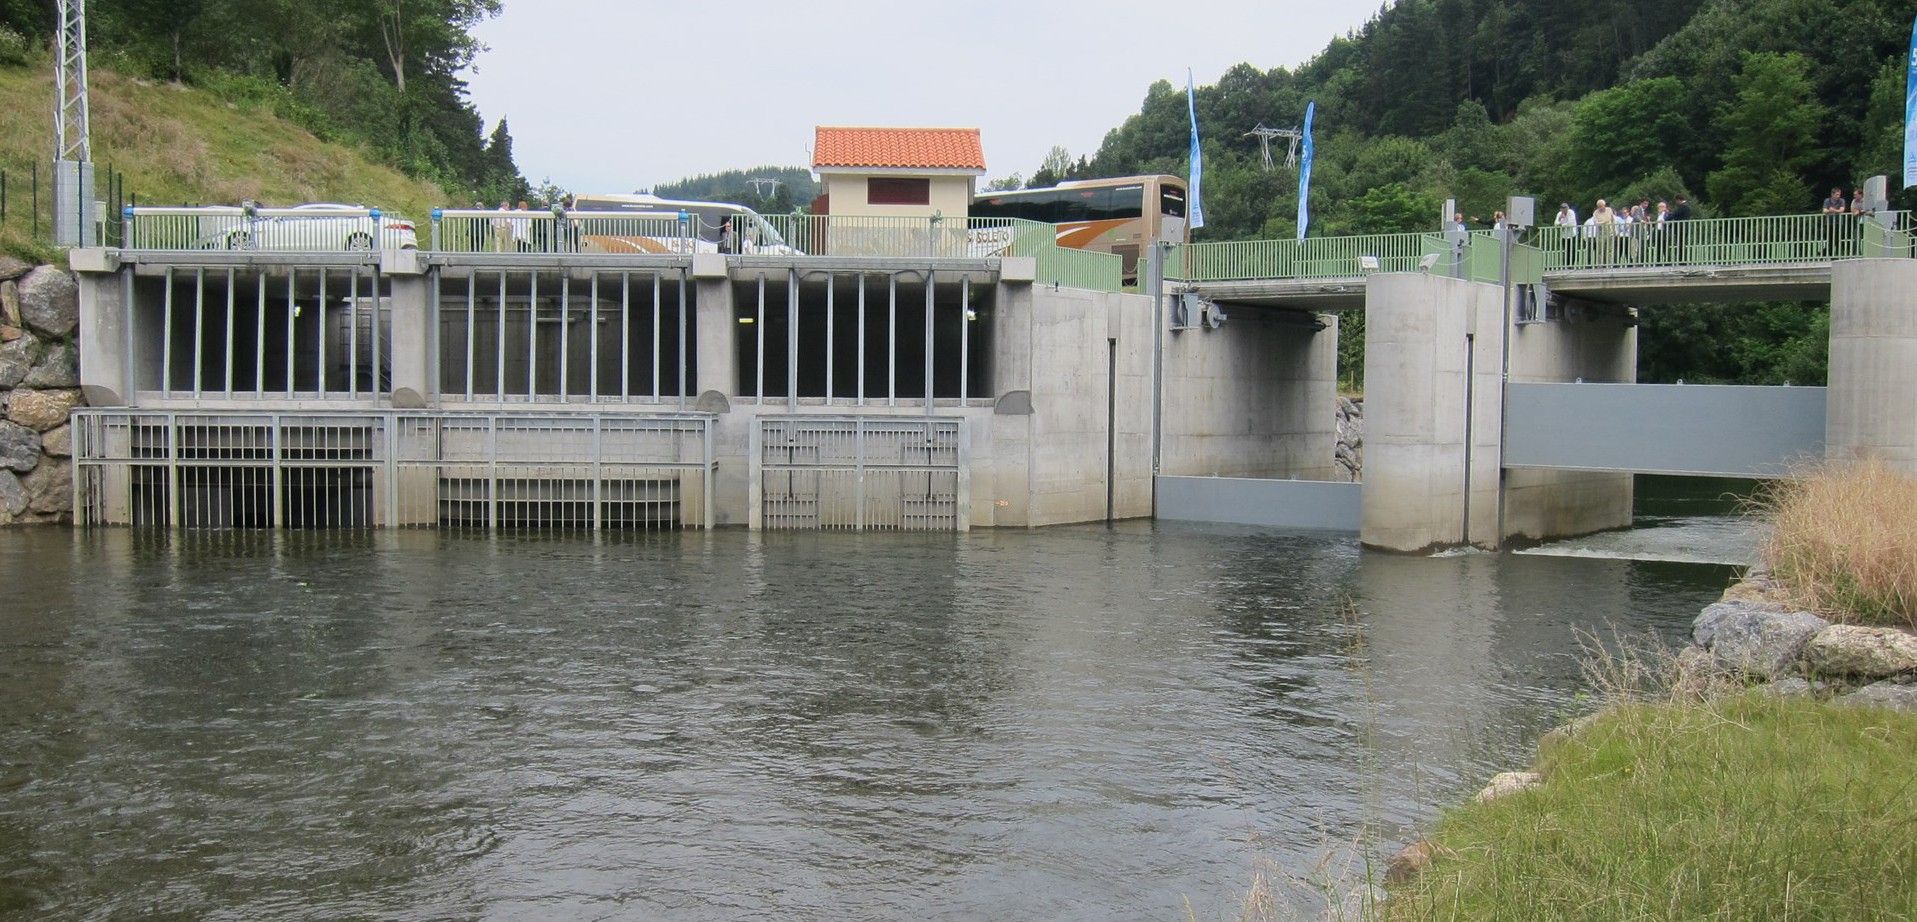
1844,541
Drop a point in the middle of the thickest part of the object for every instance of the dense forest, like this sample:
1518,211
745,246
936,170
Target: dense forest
1746,106
764,189
380,74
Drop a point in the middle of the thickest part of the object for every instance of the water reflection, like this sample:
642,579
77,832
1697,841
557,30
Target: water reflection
1071,723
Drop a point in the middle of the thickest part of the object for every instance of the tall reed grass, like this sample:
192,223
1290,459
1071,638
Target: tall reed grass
1844,541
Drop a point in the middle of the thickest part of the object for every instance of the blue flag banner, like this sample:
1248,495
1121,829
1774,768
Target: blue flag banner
1910,111
1304,171
1196,207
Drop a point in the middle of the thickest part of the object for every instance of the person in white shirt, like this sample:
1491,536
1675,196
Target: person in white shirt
1567,224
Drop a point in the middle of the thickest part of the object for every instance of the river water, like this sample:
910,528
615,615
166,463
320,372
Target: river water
1072,723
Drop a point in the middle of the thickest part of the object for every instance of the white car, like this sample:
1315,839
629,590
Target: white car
313,227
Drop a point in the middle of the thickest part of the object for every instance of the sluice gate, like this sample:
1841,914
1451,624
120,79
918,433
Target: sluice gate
860,473
384,469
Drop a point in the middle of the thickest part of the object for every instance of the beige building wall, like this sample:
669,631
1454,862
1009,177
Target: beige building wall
951,196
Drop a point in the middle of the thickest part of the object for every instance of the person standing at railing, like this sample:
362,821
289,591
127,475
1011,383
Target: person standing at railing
503,228
1606,220
521,226
1567,224
1837,216
728,238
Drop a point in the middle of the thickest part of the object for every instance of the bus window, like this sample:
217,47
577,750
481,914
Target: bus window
1171,202
1122,203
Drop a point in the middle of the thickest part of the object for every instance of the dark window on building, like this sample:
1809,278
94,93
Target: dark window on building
894,190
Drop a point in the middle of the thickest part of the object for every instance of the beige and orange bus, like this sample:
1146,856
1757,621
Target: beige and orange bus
1120,215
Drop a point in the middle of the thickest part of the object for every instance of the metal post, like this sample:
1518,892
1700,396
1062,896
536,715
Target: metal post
829,279
321,326
1155,286
861,339
597,473
532,337
592,351
965,336
232,279
499,337
565,333
352,334
492,463
625,335
259,337
174,501
166,336
759,334
379,344
472,328
126,317
682,336
929,286
199,332
658,358
792,341
892,343
292,318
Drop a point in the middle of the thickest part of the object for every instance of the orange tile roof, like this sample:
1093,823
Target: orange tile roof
898,148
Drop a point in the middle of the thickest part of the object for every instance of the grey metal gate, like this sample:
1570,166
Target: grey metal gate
860,472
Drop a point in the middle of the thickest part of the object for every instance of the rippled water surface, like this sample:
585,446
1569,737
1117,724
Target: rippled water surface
1075,723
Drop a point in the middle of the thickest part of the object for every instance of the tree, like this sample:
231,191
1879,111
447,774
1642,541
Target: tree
1770,130
1005,184
1394,209
1055,168
1623,134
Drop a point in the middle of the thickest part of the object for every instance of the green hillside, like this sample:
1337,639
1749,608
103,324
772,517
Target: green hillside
181,145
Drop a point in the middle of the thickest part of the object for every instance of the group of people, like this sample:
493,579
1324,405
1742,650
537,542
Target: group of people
511,230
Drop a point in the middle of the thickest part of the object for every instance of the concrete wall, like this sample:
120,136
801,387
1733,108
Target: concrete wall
1873,361
951,196
1257,397
1597,343
1432,405
1425,415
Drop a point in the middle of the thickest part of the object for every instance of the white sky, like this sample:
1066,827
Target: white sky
614,95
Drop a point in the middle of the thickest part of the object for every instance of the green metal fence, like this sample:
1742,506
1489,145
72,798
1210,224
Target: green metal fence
1312,257
1775,239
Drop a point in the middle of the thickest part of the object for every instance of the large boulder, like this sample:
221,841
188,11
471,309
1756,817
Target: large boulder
50,302
1861,652
49,488
42,410
1884,695
1704,628
19,447
12,267
1504,784
58,367
16,360
1697,674
1763,642
57,442
13,497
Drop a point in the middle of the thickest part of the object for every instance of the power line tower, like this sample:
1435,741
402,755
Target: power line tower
72,139
1266,134
758,184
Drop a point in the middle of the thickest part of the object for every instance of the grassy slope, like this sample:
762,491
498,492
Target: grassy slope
1753,807
177,145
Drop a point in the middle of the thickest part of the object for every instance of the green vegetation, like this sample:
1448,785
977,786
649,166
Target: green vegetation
795,188
381,76
1750,807
180,145
1844,539
1744,106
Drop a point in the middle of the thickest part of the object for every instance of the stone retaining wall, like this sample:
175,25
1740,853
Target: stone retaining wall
39,387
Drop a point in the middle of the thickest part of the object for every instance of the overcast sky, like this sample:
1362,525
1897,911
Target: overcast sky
616,95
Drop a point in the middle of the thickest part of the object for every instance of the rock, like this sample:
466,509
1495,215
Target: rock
1758,589
1559,734
1409,862
1704,627
1697,674
9,333
1886,694
16,360
42,410
56,442
19,447
49,488
13,497
58,367
50,302
1762,642
1862,652
12,267
1504,784
1793,687
10,301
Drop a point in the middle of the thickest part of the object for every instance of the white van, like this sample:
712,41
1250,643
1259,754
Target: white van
613,223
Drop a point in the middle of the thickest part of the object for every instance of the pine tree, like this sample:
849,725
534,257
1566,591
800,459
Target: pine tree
1770,131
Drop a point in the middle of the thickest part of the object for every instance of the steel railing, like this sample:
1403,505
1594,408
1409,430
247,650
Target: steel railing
482,231
304,229
1312,257
1772,239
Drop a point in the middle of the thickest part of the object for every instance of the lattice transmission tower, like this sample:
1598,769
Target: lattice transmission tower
1266,134
73,217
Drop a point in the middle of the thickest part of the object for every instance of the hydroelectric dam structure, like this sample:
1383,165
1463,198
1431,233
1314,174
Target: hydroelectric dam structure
926,375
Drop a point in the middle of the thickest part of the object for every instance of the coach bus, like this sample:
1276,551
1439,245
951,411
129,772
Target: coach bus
1120,215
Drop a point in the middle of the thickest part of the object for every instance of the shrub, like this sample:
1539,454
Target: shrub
15,50
1844,540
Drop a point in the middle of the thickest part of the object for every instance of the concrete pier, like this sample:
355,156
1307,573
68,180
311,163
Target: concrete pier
1435,354
1873,361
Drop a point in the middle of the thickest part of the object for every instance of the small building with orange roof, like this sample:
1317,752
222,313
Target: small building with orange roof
896,172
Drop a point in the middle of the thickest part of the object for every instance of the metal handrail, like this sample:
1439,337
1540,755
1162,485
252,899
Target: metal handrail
243,227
